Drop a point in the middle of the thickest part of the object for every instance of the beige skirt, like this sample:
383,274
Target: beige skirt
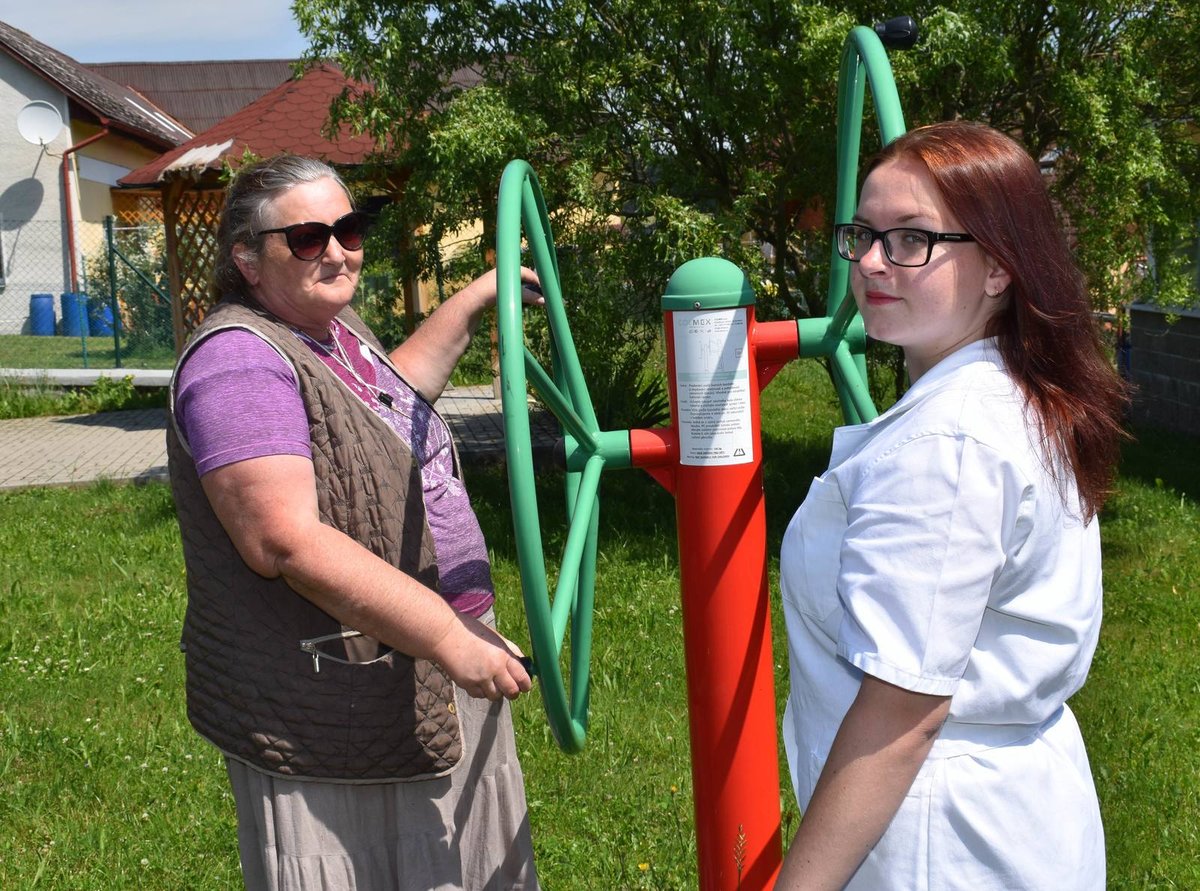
468,830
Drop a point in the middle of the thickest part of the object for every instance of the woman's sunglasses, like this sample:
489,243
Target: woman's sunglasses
307,241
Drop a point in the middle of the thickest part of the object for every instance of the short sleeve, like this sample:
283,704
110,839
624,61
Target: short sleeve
236,399
925,542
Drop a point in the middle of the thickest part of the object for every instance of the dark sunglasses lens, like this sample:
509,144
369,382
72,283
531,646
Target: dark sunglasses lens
351,231
308,240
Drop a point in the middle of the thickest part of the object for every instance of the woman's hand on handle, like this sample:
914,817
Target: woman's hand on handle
482,661
427,357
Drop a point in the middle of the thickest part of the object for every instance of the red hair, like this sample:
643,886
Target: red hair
1046,333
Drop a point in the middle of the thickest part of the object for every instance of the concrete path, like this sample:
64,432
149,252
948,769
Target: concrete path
130,446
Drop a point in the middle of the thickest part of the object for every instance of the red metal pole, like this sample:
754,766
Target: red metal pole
715,382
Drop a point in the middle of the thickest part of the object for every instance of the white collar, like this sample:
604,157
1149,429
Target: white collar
984,351
846,439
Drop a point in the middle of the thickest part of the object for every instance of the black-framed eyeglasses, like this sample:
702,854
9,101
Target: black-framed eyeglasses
903,246
307,241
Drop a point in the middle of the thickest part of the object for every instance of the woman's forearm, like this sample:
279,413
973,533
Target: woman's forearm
268,507
429,355
879,748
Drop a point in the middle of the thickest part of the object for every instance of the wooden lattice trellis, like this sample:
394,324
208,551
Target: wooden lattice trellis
137,208
191,217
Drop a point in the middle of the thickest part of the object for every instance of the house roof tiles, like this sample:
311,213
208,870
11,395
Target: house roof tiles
200,94
290,118
112,104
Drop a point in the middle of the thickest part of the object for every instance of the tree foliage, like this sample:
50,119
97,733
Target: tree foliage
1107,91
662,130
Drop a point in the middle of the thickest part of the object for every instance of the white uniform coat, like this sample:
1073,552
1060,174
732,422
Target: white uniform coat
936,554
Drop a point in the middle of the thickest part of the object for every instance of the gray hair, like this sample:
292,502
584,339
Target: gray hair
244,215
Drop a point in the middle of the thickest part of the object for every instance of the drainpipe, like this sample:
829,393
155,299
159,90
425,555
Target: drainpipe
66,182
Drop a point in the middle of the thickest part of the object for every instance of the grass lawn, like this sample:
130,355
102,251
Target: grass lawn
26,351
107,787
30,399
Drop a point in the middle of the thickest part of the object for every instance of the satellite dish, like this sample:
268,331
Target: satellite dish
39,122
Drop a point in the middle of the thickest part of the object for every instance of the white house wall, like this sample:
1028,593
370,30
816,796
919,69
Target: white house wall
31,228
98,166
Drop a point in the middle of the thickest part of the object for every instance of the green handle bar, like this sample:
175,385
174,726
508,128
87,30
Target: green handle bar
864,60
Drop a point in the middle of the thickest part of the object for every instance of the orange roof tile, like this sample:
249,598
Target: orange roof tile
290,118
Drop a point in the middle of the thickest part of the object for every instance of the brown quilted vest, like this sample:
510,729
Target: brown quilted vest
251,690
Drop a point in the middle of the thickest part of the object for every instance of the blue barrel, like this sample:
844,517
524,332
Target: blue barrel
100,317
41,314
74,320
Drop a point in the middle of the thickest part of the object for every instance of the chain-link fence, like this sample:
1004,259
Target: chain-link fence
113,313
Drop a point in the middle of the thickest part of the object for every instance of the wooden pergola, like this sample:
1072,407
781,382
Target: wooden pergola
190,217
191,179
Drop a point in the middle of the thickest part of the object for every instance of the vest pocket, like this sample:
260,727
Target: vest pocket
346,647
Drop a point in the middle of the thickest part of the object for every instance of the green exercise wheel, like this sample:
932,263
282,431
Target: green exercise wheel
522,222
522,219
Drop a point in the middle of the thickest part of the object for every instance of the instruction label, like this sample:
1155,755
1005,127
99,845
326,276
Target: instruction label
712,379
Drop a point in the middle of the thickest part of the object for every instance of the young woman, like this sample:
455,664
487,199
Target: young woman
941,581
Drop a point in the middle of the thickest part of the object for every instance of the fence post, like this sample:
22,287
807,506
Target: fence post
112,290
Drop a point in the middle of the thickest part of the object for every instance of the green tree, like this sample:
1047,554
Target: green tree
1105,92
667,129
140,268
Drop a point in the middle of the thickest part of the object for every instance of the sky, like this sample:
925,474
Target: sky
160,30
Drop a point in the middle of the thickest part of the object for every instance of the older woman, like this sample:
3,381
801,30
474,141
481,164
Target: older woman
339,637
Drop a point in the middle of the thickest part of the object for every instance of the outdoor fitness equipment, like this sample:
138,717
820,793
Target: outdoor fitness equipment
719,358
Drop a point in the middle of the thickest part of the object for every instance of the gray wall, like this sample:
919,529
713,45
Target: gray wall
1165,366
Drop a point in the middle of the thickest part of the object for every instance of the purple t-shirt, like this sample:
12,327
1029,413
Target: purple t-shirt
237,398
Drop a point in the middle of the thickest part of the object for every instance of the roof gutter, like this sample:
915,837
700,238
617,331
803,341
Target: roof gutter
66,183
